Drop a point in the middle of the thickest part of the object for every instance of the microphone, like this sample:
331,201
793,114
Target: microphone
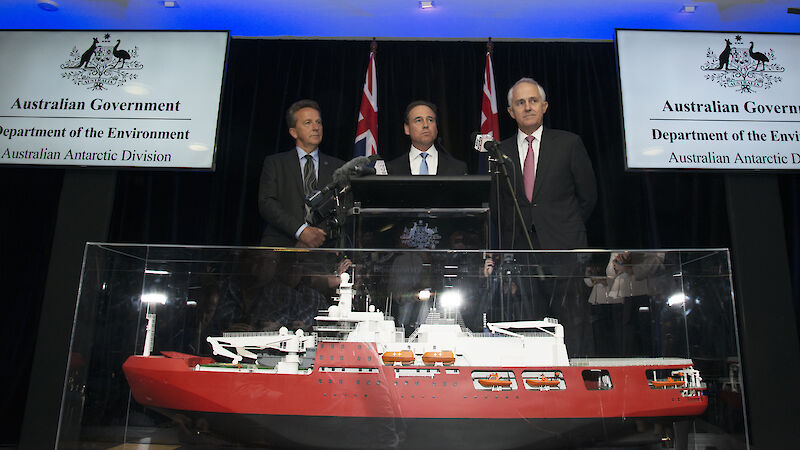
492,147
380,167
485,143
480,141
358,166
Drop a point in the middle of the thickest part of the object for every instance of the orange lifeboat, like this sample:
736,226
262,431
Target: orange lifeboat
494,381
403,357
445,357
542,382
669,382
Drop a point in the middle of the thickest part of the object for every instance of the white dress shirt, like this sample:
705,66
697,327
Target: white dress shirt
414,160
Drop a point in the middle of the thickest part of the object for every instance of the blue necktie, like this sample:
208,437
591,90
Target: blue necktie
423,166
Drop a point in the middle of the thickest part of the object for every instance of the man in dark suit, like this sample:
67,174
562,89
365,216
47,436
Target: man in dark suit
424,158
288,177
556,189
552,177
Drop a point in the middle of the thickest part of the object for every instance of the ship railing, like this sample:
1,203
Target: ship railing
249,333
524,334
335,327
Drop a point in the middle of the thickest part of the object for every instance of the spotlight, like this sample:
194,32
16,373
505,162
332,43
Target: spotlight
426,5
154,297
688,8
676,300
156,272
424,294
47,5
450,299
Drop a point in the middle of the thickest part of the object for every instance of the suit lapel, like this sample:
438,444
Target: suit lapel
544,162
515,171
292,166
325,171
407,165
442,166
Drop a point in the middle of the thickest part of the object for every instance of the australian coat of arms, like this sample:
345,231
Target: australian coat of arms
104,63
742,66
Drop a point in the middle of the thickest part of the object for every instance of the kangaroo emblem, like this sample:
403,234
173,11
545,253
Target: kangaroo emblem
725,55
87,55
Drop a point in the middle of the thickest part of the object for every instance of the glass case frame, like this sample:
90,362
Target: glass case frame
654,305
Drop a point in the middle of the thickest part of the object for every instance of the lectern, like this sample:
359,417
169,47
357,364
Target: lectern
444,212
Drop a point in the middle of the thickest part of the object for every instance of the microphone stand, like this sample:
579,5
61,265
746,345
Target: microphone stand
340,214
500,163
499,270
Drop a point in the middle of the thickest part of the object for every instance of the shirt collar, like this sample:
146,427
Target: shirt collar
302,153
416,152
521,135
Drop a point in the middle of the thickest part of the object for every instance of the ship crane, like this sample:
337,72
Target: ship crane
283,341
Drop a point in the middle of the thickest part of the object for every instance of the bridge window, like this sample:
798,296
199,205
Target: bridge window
597,380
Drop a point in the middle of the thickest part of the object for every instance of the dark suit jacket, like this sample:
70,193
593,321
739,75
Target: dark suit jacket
447,165
280,195
564,194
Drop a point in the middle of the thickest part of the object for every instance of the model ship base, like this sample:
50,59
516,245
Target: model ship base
306,432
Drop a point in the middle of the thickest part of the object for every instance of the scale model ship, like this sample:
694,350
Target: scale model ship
357,382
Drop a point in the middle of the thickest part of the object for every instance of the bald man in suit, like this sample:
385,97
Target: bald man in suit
286,179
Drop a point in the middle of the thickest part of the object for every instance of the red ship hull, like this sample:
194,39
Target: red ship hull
351,400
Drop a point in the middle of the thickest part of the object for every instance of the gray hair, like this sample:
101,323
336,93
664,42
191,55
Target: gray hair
527,80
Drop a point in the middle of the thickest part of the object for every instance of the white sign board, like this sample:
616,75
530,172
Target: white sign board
111,98
710,100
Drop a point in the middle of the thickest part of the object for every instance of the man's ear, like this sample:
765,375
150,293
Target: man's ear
293,133
405,128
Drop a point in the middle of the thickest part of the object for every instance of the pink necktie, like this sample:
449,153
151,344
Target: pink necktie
529,169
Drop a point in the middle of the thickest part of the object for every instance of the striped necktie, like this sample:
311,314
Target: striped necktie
309,175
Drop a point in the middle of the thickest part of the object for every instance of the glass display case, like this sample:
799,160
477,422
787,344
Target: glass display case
285,348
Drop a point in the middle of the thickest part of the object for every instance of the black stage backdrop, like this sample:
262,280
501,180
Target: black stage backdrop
634,210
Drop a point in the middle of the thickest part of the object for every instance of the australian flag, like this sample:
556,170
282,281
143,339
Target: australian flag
367,130
489,123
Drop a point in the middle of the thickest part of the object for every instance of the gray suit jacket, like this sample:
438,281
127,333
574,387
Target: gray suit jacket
564,194
281,196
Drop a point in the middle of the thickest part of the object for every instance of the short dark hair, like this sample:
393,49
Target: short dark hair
291,119
416,103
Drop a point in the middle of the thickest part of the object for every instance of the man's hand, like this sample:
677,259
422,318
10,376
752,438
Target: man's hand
343,266
488,267
312,237
622,263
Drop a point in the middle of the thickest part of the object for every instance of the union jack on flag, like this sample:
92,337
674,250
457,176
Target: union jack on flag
489,123
367,130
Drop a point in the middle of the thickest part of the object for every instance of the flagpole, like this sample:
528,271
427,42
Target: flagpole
366,141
